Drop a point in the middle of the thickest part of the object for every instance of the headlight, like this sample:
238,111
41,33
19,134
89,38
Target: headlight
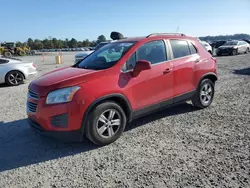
234,47
62,95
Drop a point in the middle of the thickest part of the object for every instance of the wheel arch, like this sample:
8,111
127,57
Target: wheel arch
212,76
116,97
5,76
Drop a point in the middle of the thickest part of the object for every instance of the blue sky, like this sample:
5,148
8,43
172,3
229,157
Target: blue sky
84,19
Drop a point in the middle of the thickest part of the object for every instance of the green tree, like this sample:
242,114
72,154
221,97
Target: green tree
101,38
48,44
19,44
55,43
38,45
73,43
30,42
60,44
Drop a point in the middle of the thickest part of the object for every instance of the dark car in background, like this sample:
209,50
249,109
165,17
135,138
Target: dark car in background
233,47
248,41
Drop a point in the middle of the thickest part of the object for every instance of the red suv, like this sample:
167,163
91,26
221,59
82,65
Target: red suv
119,82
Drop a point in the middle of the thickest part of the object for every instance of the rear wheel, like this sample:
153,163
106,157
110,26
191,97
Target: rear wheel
247,50
106,123
204,95
14,78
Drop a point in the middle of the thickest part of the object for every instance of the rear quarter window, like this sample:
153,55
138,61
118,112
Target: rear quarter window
193,49
180,48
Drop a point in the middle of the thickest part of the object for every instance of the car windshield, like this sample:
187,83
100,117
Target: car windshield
100,45
230,43
105,57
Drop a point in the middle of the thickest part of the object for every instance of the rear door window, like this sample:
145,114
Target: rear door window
180,48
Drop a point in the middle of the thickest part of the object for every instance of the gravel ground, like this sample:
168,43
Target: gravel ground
178,147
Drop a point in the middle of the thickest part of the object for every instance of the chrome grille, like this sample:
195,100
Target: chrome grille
31,107
33,95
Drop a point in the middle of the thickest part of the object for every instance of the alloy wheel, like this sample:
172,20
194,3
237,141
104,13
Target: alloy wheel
108,123
15,78
206,93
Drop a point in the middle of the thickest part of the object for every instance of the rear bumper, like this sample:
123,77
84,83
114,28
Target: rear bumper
31,75
68,136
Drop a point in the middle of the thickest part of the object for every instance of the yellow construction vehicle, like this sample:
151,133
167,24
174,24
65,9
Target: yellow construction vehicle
9,49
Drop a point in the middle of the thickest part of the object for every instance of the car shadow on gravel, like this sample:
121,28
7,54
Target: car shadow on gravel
20,146
176,110
245,71
4,85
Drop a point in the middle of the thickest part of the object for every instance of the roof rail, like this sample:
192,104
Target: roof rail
155,34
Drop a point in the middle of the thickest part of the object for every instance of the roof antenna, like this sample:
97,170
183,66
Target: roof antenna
177,29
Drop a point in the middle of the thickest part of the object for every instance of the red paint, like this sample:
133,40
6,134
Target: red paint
154,84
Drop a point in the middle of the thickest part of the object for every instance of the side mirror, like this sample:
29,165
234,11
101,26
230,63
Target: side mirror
140,66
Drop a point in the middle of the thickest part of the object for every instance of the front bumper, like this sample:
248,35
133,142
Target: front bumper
225,51
69,136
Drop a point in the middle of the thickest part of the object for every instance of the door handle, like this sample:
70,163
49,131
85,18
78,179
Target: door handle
197,60
167,71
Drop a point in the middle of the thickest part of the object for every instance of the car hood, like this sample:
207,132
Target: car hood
60,78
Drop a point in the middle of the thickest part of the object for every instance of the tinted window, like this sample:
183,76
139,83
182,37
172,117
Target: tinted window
180,48
154,52
2,61
106,56
130,64
193,50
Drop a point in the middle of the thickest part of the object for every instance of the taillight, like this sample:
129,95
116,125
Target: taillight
214,59
33,65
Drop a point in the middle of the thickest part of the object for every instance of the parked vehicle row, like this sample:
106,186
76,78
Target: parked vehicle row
67,49
121,81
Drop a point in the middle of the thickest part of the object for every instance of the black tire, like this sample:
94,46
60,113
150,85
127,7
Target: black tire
218,54
21,53
93,123
14,78
199,98
235,52
7,54
247,50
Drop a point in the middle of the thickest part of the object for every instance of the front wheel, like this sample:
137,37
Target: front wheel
204,94
235,52
105,123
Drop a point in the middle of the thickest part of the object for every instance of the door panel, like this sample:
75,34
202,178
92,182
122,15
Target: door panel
184,74
150,86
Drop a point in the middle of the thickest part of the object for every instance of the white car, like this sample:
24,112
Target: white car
207,46
82,55
15,71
